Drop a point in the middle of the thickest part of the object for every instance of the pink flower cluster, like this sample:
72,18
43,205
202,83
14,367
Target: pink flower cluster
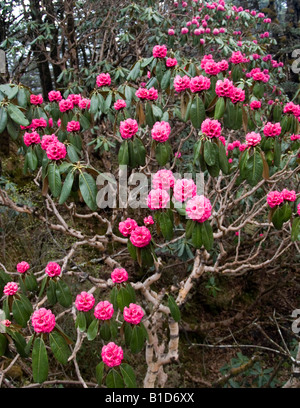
73,126
84,301
226,88
104,310
38,123
84,103
43,320
211,128
199,83
126,227
292,108
65,105
184,189
171,62
47,140
272,129
133,314
103,80
36,99
161,131
112,355
31,138
22,267
148,94
253,139
140,237
119,104
275,198
159,51
237,57
258,75
10,289
198,208
119,275
163,179
157,199
54,96
128,128
295,137
181,83
255,105
53,269
56,151
148,220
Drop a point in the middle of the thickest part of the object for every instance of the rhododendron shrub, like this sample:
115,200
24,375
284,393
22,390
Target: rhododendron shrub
196,147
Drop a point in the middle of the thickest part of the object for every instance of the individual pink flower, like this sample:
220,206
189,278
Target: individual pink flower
56,151
163,179
274,198
53,269
119,275
104,310
103,80
141,236
295,137
158,198
119,104
84,301
148,220
6,322
198,208
142,93
224,88
84,103
126,227
199,83
298,209
177,155
43,320
184,189
181,83
161,131
47,140
133,314
253,139
272,129
10,289
36,99
128,128
171,62
31,138
211,128
159,51
65,105
54,96
184,30
73,126
22,267
171,31
112,355
255,105
288,195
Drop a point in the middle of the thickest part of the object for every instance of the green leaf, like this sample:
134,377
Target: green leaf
277,152
81,321
39,361
258,90
99,372
63,293
219,108
20,313
105,333
16,115
128,375
59,347
139,151
207,235
197,236
32,160
281,215
67,187
20,343
211,152
254,168
93,330
3,344
51,292
137,340
295,235
88,189
131,249
22,98
72,153
26,303
31,282
165,82
54,179
163,153
131,293
165,225
223,159
197,112
174,309
123,298
189,228
94,103
114,380
123,155
3,119
135,72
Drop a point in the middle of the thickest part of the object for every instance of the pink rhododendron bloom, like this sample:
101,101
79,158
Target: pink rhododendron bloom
54,96
10,289
36,99
163,179
22,267
237,95
84,103
152,94
171,62
31,138
112,355
141,236
73,126
274,198
253,139
133,314
161,131
38,123
298,209
75,98
157,198
212,68
56,151
119,104
128,128
224,88
288,195
199,83
198,208
84,301
159,51
223,65
184,30
295,137
177,155
47,140
53,269
211,128
142,93
184,189
237,57
43,320
255,105
6,322
148,220
65,105
126,227
171,31
181,83
104,310
103,80
119,275
272,129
